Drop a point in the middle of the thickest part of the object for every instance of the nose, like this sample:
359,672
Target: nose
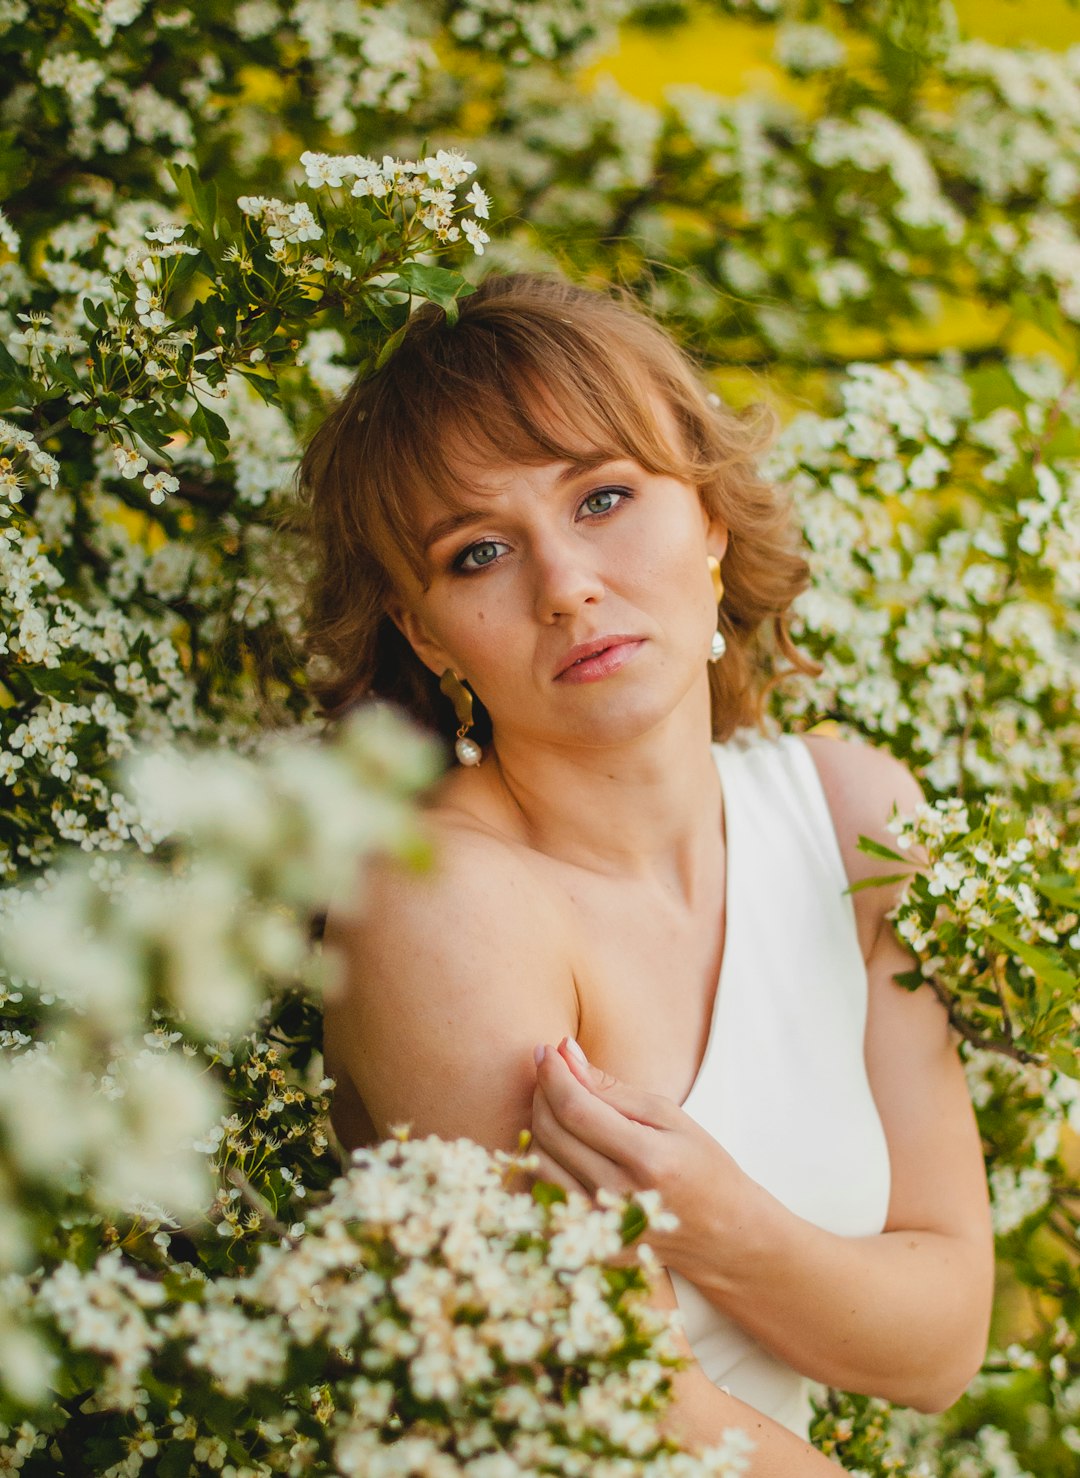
567,576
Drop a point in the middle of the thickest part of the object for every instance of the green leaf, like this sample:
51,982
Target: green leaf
96,313
875,849
391,344
546,1194
62,369
16,393
910,979
59,682
1046,964
264,384
213,430
177,1460
201,199
437,284
1059,887
150,427
878,882
1066,1059
8,368
375,306
634,1223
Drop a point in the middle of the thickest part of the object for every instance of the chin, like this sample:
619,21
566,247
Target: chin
614,724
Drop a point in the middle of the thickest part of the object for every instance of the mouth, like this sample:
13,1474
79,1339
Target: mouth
599,657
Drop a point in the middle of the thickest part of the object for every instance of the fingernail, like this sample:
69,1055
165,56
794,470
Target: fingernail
576,1052
538,1055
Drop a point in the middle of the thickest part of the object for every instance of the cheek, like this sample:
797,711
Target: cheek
483,636
669,551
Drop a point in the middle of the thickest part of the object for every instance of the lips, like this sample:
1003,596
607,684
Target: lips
579,656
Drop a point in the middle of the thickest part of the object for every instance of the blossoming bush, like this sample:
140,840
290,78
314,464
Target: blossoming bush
423,1315
211,220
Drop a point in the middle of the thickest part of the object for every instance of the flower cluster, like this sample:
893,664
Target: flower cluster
449,1320
908,613
546,28
140,981
994,922
428,184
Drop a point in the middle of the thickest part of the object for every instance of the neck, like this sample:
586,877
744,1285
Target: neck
649,808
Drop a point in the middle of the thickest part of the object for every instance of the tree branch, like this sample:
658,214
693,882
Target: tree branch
1006,1048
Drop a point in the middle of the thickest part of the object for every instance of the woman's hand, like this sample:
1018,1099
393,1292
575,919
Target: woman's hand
591,1131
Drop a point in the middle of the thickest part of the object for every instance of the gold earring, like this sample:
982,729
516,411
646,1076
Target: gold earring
719,645
466,749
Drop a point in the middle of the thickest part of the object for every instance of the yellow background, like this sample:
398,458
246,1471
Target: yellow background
732,56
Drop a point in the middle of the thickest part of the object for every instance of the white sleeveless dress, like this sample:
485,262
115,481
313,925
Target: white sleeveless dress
783,1084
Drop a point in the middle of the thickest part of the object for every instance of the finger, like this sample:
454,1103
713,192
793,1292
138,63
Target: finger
644,1108
576,1158
593,1140
552,1173
591,1119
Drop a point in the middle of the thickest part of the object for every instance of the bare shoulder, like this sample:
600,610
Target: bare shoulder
864,785
446,979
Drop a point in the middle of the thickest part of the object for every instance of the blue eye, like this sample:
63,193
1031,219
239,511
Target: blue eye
478,555
604,500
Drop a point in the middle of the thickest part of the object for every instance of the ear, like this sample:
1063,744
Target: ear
412,628
716,537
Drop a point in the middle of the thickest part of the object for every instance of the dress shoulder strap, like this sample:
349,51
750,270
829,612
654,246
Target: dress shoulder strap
784,835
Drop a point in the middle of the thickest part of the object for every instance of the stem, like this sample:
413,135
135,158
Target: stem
58,425
984,354
1052,418
969,1033
257,1203
1064,1230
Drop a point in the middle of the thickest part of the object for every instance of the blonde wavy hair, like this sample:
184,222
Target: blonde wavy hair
535,370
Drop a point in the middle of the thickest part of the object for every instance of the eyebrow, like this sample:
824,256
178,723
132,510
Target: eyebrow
466,517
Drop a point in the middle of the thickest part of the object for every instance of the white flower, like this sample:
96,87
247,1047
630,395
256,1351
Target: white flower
165,233
80,77
475,235
9,237
158,484
480,201
324,169
129,463
1016,1195
925,469
803,48
450,166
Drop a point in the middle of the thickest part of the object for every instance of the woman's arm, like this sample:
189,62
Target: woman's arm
444,978
904,1314
701,1412
445,984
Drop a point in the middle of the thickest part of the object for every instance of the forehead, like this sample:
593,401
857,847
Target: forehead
452,454
558,439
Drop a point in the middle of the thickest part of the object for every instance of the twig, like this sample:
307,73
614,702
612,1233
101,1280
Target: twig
1006,1048
43,436
258,1203
1053,416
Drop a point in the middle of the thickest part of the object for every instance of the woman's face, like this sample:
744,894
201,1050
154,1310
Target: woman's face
576,602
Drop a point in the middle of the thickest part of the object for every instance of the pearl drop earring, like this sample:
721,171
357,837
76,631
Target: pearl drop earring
719,645
466,749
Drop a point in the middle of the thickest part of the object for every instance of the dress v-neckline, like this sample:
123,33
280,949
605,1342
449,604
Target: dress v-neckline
726,792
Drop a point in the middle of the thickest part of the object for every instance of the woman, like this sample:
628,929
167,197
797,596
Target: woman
524,525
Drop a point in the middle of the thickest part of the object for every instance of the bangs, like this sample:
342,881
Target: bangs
481,398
